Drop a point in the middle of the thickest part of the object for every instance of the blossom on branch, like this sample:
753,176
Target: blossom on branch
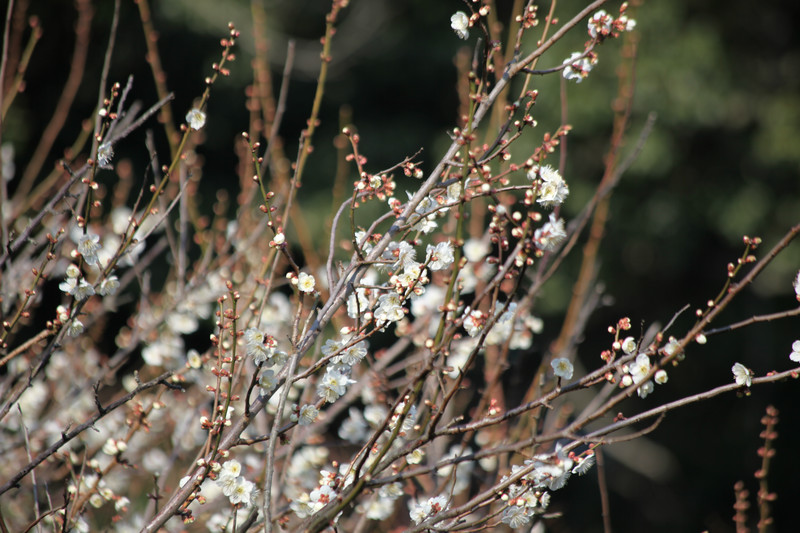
562,368
460,24
742,375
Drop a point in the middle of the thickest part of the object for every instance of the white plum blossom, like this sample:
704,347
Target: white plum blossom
795,355
553,190
402,253
352,355
638,370
628,345
306,282
333,385
578,67
243,492
105,153
195,118
551,235
108,286
601,22
419,512
661,376
460,24
474,322
475,250
88,246
562,368
796,285
268,381
389,308
441,255
742,375
354,428
306,415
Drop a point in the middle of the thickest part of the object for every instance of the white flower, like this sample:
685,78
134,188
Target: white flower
742,375
671,347
553,189
196,118
306,282
80,289
630,24
73,272
108,286
268,381
796,285
578,67
333,385
460,24
551,235
421,511
640,367
475,250
105,153
306,415
243,491
230,470
389,308
795,355
629,345
661,376
441,255
352,355
645,389
75,328
88,246
474,322
562,368
601,23
515,515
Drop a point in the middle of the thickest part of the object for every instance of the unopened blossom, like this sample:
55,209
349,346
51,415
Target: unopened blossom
562,368
306,282
195,118
795,355
460,24
88,246
742,375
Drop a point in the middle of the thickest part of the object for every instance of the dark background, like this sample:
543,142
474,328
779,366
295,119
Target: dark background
723,161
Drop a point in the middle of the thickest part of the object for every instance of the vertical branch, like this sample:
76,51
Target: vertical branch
65,101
